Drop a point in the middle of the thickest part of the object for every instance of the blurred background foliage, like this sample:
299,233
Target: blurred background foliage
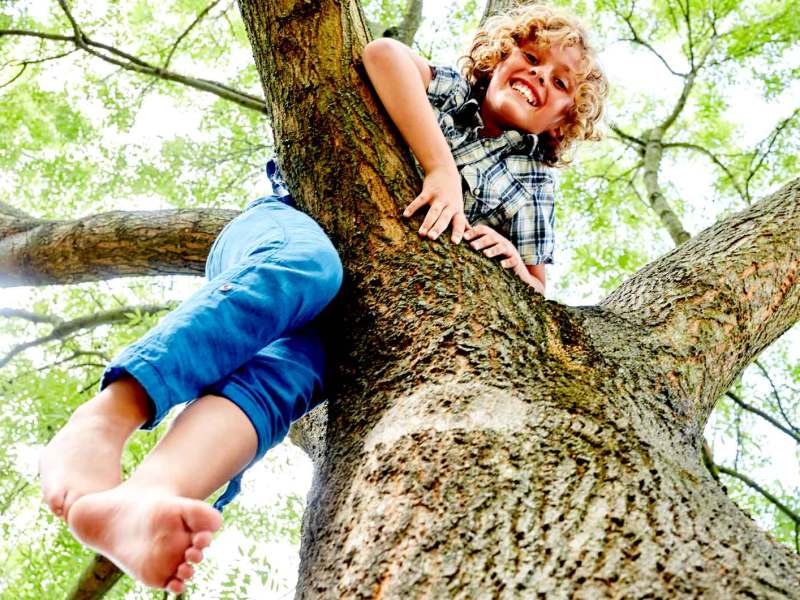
80,135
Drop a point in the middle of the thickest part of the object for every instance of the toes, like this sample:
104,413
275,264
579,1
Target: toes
55,502
184,572
175,586
201,540
69,500
199,516
193,555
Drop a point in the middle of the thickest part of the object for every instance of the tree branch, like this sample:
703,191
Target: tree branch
25,63
411,21
6,210
67,328
77,354
688,85
637,39
96,580
653,153
698,148
201,15
113,244
29,316
771,138
734,298
752,484
766,416
129,62
627,136
494,7
777,396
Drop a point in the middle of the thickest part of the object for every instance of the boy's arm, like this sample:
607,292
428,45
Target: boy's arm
401,80
537,272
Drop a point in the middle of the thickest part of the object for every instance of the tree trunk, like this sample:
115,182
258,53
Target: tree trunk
481,441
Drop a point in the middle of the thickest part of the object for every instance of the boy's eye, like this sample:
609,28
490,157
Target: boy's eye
531,58
561,85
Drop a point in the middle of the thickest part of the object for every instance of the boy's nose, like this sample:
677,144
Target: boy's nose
541,74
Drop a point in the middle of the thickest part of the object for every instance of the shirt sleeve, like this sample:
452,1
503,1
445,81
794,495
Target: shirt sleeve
448,89
532,228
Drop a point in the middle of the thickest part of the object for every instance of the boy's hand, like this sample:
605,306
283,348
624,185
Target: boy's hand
441,188
484,238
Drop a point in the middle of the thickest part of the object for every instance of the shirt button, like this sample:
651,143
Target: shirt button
225,287
477,192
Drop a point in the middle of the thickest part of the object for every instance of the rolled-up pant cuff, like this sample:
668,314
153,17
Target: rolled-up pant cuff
128,363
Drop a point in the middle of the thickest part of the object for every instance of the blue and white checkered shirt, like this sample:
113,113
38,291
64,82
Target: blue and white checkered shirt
504,185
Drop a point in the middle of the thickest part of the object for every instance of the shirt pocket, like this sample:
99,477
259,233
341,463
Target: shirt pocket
474,182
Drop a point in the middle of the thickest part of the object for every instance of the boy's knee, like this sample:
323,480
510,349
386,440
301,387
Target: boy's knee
331,271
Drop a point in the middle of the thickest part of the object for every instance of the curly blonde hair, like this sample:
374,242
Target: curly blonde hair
546,26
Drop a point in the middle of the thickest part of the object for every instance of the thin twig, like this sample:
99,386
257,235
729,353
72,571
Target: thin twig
130,62
67,328
15,77
767,417
777,396
637,39
749,482
33,317
186,32
715,160
772,137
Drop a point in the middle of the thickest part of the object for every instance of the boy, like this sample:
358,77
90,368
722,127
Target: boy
533,89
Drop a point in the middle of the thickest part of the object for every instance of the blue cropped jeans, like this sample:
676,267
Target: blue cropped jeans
248,334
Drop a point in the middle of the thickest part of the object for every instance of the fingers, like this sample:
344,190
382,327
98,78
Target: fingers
439,216
459,227
428,227
482,243
417,203
498,249
441,223
509,263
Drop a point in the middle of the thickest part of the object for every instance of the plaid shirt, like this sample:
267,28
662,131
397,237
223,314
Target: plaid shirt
504,185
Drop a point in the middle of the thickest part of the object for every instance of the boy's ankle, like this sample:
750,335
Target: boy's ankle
123,404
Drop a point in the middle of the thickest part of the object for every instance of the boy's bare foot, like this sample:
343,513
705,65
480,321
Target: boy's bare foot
150,534
84,457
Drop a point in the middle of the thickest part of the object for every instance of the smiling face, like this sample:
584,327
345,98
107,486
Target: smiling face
531,90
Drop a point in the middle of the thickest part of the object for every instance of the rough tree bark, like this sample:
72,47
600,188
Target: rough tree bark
113,244
480,441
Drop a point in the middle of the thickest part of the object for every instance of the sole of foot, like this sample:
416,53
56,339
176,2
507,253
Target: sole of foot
150,535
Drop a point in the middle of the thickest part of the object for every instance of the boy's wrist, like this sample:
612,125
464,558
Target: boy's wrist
448,165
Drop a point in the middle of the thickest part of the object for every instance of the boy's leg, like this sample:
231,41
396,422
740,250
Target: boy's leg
84,456
153,524
271,269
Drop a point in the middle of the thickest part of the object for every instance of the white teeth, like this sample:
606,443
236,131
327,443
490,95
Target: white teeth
525,91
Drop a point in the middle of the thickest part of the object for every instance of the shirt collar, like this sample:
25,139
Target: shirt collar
468,116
